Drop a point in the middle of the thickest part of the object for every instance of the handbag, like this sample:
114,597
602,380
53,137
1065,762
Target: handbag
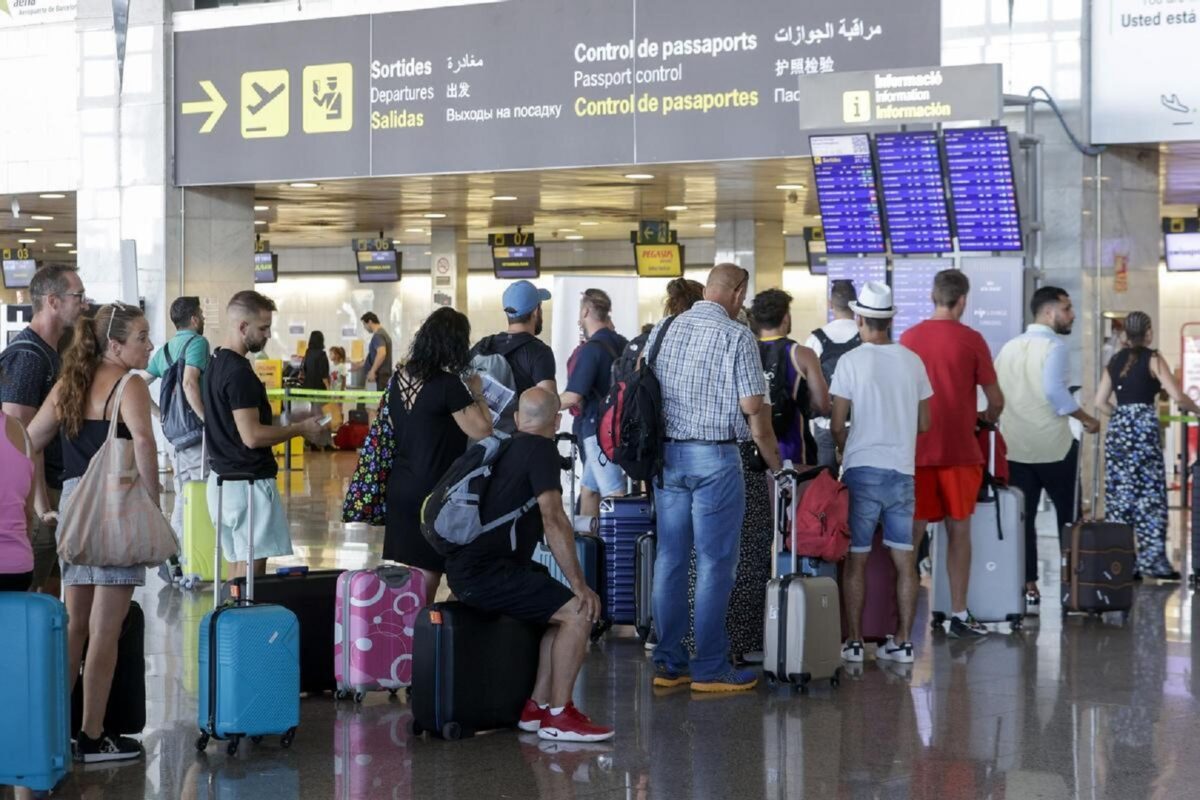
366,496
110,520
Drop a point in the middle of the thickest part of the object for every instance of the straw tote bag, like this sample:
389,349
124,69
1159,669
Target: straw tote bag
110,519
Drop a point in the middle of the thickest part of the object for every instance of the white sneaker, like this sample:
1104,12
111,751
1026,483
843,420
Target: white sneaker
853,651
901,653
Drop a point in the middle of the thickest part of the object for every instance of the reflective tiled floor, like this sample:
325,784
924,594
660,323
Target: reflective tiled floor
1077,709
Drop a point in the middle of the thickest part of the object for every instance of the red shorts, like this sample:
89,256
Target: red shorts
947,491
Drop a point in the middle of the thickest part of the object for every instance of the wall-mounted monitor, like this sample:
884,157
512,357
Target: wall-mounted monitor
983,192
378,266
914,196
847,194
858,271
266,267
912,290
658,260
995,304
815,252
1183,251
18,272
513,263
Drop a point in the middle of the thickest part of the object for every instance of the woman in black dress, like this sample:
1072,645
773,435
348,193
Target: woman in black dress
433,413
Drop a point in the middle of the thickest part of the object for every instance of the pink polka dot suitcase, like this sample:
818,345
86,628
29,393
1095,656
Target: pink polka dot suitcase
373,629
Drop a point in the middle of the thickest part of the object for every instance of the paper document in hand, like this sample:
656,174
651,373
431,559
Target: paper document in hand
497,395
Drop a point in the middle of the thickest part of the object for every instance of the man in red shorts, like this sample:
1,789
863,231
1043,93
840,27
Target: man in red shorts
949,463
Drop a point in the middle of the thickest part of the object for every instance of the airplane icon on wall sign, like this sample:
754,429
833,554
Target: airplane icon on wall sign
265,108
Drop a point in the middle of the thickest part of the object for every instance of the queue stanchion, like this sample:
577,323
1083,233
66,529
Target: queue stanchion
287,444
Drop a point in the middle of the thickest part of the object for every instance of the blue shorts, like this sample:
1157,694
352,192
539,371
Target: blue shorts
880,496
600,475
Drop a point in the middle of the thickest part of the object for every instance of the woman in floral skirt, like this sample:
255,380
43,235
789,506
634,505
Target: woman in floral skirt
1135,484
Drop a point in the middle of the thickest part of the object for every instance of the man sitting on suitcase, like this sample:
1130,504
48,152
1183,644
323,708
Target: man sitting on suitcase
489,575
886,386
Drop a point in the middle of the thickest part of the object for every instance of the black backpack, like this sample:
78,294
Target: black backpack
180,425
831,351
775,356
625,364
632,428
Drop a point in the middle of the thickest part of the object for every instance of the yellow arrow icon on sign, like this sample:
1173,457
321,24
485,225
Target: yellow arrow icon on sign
214,106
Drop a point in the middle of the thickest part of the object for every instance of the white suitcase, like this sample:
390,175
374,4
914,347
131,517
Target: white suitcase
802,620
996,592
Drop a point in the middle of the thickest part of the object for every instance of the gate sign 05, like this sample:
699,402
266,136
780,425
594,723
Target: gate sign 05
523,84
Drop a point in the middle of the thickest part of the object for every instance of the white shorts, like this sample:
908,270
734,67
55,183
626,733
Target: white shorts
599,474
271,535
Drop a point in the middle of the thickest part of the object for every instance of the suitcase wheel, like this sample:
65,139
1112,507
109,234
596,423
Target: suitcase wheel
452,731
393,692
202,743
232,747
415,728
341,694
836,680
288,738
359,697
256,739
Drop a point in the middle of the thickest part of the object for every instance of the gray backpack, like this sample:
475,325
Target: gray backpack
495,364
450,515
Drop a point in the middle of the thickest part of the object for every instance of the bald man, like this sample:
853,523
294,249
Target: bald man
492,575
712,382
237,424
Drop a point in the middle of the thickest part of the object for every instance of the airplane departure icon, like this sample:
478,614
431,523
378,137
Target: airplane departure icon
264,96
265,104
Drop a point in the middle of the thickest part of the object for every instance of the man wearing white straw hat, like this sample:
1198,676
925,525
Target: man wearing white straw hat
886,386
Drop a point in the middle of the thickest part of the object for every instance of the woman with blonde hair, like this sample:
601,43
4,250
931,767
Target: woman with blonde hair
104,350
1135,488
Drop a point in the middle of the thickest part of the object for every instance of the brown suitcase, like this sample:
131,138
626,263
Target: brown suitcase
1098,561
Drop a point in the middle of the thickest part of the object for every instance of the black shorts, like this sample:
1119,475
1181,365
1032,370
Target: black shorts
522,591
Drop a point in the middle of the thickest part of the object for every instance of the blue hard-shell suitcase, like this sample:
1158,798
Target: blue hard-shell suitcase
249,661
35,742
622,521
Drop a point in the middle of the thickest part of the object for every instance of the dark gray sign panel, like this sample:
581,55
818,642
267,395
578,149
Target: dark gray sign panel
523,84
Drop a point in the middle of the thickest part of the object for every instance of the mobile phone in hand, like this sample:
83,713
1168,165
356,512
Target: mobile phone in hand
325,420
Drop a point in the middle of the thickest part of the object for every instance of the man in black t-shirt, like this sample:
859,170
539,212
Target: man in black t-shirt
29,367
531,359
488,574
237,422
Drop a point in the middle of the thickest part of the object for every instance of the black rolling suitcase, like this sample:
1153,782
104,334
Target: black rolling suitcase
312,597
647,549
472,671
1098,561
126,711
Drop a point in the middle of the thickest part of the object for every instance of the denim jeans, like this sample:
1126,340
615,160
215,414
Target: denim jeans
701,503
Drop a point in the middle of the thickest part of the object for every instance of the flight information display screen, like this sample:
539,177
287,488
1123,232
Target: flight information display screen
982,189
912,290
910,173
845,178
856,270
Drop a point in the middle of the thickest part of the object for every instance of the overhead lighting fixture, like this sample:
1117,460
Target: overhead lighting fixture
504,198
42,218
574,237
675,208
63,244
708,225
639,176
34,230
73,252
566,230
260,222
52,196
588,224
26,241
790,187
415,230
434,215
262,208
428,252
303,185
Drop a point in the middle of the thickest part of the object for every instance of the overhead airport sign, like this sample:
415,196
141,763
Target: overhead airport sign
900,96
1144,66
476,88
35,12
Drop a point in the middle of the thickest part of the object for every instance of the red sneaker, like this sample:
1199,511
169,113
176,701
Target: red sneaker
572,725
532,716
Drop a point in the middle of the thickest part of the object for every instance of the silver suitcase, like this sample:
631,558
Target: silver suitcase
802,621
996,592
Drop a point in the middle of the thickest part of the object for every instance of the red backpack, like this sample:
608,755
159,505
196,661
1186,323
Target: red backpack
822,524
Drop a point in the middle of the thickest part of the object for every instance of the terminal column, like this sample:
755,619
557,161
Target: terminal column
754,245
448,267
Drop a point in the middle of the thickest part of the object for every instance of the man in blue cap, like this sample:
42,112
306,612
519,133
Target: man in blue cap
529,360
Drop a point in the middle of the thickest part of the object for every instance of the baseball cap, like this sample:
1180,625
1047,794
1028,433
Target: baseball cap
522,297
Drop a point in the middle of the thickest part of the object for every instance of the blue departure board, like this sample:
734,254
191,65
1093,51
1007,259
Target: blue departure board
846,192
910,174
856,270
982,190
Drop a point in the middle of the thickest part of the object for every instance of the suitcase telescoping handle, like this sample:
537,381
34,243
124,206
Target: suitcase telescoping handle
248,479
785,515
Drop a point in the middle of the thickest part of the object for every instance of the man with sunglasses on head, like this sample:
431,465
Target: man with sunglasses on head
713,391
29,367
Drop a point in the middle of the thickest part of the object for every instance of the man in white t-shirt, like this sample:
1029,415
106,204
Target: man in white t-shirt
830,342
888,389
